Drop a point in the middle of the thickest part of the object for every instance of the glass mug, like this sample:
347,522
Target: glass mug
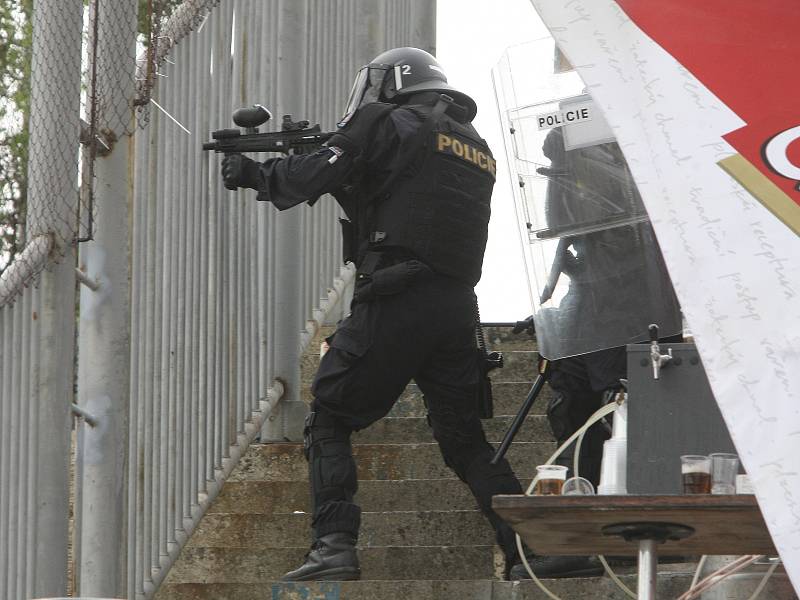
696,474
550,480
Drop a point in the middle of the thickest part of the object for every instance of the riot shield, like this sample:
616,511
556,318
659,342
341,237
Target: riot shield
596,276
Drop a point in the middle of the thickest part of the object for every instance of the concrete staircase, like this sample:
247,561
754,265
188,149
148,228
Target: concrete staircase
421,538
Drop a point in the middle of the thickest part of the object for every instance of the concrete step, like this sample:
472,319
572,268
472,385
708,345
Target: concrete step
403,430
286,462
267,497
255,565
378,529
670,585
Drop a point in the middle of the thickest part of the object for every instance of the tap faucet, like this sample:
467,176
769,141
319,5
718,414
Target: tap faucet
657,359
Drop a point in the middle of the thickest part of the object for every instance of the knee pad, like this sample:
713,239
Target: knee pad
331,467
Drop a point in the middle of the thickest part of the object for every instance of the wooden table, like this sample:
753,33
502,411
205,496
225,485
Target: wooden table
584,525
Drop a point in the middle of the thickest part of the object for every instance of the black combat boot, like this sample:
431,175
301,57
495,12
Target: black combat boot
332,557
556,567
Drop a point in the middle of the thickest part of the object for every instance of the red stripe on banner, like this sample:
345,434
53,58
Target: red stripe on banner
747,53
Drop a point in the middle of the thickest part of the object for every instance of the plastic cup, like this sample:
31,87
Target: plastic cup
696,474
577,486
614,468
724,468
550,480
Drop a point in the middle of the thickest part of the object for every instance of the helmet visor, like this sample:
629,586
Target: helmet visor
366,89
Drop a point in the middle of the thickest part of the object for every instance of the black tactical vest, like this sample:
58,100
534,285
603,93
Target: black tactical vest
438,208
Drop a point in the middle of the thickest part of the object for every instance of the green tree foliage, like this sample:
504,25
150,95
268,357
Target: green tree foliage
15,71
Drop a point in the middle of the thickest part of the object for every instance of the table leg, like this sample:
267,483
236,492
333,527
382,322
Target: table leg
648,535
648,569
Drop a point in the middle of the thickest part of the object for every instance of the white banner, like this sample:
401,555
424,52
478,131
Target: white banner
726,219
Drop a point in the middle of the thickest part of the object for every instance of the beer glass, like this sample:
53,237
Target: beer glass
696,474
551,480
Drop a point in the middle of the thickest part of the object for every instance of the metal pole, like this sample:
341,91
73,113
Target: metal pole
202,264
12,532
138,360
104,328
152,398
423,18
53,173
6,403
286,422
648,563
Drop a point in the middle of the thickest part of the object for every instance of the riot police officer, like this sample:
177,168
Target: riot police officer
415,180
617,285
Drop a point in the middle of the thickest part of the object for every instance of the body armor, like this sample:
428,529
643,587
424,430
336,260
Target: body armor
438,208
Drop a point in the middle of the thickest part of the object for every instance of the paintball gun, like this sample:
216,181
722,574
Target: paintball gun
296,137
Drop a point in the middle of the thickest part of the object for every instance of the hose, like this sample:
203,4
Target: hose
577,455
620,584
598,414
698,570
718,575
756,593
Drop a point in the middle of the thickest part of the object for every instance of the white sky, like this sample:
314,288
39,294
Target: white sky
471,37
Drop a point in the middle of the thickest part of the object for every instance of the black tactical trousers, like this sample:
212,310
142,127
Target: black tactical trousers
425,333
580,383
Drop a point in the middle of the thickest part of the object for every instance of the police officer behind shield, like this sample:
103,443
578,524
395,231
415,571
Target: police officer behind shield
415,180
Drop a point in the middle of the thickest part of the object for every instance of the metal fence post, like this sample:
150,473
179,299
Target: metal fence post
104,327
423,15
55,130
286,421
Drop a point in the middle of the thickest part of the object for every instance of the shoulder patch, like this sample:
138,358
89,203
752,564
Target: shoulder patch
465,149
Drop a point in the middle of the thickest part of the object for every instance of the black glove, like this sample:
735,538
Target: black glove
525,325
239,171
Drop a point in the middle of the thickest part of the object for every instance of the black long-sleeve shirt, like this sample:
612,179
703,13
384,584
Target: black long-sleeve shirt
292,180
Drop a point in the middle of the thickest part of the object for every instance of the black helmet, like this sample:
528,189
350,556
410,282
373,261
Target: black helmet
396,74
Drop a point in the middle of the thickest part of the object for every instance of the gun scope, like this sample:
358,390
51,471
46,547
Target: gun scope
251,117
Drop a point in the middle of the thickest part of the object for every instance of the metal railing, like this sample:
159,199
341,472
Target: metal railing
195,302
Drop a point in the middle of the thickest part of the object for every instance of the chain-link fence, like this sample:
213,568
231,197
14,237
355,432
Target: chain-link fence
37,217
31,234
160,25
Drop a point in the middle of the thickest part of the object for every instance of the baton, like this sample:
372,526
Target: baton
538,384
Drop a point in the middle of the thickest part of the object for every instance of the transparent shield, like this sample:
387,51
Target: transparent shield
596,275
